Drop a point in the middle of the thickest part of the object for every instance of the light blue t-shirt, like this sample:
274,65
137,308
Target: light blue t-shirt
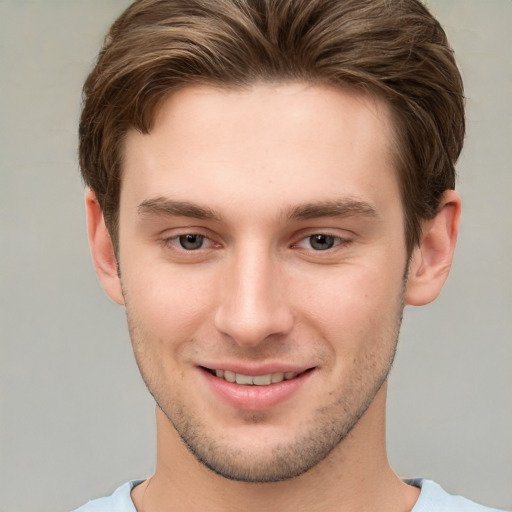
432,499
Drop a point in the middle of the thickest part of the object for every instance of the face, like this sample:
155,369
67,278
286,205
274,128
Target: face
262,261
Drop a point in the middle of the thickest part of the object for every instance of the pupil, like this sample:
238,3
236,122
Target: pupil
321,242
191,242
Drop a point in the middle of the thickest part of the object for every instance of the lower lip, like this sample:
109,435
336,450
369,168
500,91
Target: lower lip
255,398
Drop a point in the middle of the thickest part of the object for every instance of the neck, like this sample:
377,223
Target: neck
356,476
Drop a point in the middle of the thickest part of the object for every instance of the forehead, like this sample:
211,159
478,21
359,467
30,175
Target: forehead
287,143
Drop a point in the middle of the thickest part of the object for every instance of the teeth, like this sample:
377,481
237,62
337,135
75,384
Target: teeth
256,380
229,376
262,380
277,377
243,379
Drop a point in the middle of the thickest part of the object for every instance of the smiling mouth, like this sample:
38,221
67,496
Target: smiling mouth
254,380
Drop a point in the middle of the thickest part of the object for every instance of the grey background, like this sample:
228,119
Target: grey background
76,420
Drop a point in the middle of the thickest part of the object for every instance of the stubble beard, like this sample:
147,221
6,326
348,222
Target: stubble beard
326,429
287,460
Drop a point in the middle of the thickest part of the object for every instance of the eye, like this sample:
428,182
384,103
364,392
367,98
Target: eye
321,242
191,241
188,243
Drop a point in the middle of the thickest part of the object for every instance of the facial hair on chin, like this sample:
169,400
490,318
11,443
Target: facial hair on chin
326,430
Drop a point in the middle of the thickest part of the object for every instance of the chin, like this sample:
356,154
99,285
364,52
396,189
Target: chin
264,453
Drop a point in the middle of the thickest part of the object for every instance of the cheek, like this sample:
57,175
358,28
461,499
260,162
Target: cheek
168,303
353,307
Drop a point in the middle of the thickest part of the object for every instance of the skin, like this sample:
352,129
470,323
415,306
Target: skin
257,173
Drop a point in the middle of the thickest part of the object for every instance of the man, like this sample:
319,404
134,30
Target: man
269,183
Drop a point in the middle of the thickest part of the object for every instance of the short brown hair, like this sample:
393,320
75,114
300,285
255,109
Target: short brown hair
393,48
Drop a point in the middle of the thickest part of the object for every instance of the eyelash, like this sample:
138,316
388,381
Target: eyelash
336,241
176,243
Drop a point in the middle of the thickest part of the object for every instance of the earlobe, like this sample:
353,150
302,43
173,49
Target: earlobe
102,249
432,258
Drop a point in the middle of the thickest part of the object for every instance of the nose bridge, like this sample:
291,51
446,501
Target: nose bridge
253,302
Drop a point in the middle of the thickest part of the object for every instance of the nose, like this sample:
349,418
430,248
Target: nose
253,305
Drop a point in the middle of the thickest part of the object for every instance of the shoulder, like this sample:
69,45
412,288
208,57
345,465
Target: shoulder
433,498
119,501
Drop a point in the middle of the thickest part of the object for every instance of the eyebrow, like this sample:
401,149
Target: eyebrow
161,206
348,207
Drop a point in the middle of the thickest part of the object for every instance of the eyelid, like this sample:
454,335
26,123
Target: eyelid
341,239
171,239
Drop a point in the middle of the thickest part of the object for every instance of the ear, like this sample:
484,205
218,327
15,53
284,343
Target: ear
102,250
432,258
